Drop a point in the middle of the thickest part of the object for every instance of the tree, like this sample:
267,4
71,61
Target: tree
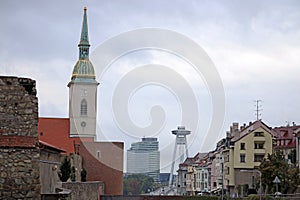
65,170
137,184
292,156
275,165
83,175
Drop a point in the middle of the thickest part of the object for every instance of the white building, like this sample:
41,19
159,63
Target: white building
144,158
83,90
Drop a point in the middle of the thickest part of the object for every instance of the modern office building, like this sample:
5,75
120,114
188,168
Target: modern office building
144,158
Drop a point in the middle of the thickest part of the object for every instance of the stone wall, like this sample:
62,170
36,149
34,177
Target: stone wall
19,152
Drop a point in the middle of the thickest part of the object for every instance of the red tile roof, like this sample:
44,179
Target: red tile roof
50,146
284,137
56,131
285,131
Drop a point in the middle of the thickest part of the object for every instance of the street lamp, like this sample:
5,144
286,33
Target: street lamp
257,171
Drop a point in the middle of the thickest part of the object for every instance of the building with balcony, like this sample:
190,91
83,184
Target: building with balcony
194,175
246,147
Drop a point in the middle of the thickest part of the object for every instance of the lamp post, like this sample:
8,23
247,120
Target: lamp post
257,171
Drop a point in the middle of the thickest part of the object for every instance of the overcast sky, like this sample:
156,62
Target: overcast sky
255,46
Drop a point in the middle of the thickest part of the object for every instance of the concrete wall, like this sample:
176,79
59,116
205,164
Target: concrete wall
85,190
103,161
19,152
76,161
50,162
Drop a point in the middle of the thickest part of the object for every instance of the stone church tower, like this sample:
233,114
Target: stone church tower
83,90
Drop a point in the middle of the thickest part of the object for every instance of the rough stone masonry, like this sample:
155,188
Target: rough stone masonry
19,152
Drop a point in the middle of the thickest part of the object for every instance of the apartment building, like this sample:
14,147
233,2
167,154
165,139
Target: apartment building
194,175
284,140
217,163
183,178
246,147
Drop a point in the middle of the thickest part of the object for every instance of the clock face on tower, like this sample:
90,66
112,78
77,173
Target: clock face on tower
84,92
83,124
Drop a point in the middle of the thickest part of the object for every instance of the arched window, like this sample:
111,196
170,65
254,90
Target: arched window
83,108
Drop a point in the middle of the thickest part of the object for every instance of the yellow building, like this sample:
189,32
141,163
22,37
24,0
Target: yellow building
247,146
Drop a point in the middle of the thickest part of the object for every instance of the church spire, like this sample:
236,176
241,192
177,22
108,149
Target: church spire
84,38
83,70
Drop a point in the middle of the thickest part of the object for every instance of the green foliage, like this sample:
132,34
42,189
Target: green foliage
83,174
253,197
243,189
65,170
73,174
137,184
292,156
275,165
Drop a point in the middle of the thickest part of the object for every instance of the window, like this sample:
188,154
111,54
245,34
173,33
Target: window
242,158
258,145
226,158
242,146
227,170
98,154
259,134
258,157
83,108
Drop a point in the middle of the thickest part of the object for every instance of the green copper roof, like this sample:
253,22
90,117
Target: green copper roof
83,70
84,39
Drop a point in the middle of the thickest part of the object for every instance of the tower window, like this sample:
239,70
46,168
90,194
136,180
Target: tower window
83,108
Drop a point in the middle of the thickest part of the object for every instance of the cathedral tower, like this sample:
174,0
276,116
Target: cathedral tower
83,90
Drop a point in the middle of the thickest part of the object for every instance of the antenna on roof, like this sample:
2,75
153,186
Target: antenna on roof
258,109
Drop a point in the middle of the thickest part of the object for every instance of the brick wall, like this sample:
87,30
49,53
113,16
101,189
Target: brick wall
19,153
